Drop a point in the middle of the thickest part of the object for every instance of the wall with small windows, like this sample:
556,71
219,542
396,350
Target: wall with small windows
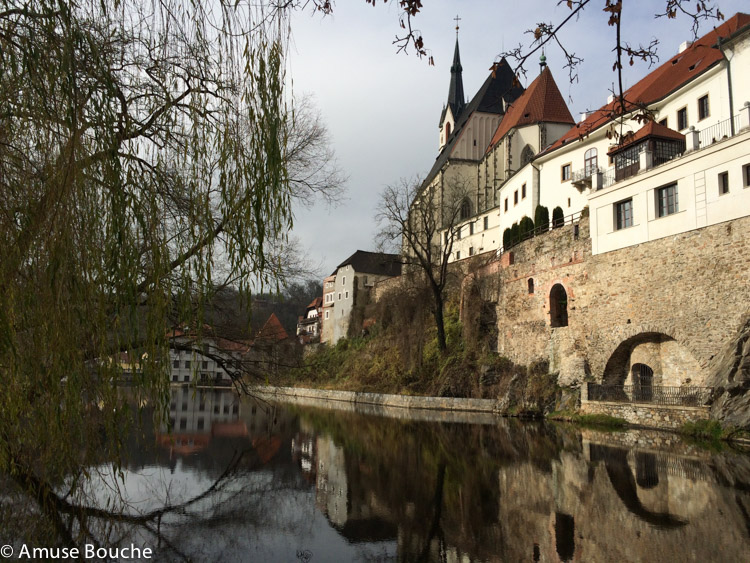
701,188
688,293
479,234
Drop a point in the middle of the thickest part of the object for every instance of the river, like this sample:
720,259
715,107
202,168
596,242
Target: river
246,480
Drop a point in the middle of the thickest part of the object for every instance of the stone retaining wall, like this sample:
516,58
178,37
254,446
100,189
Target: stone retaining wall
655,416
399,401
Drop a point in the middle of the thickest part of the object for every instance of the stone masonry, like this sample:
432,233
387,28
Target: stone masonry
673,302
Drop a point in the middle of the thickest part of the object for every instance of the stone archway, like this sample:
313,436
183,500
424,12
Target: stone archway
654,358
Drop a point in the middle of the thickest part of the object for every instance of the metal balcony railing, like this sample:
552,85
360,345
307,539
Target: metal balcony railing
688,396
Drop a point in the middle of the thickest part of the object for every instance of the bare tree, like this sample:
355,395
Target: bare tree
424,223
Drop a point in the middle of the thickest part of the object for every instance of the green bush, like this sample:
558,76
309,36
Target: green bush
526,227
541,217
558,219
507,238
515,234
703,430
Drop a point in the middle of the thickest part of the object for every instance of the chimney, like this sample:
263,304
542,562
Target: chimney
684,45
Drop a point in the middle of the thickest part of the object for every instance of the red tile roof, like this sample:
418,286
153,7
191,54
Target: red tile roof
541,102
651,129
657,85
272,330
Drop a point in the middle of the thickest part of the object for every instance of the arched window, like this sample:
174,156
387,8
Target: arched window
527,155
590,162
558,306
447,130
465,209
531,286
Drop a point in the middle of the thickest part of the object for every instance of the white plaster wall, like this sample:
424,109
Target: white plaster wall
700,204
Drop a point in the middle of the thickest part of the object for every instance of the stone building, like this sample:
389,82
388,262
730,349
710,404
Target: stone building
647,277
349,286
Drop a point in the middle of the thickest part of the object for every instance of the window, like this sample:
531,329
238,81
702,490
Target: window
746,174
343,280
682,121
187,363
471,228
531,286
201,424
565,172
624,214
205,364
458,233
523,191
724,183
487,219
458,255
364,282
465,209
186,378
176,364
666,200
527,155
568,202
339,296
664,122
515,197
471,251
175,378
327,315
346,295
183,423
506,204
590,162
445,238
703,107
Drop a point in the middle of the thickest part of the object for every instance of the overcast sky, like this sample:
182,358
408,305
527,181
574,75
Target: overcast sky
382,108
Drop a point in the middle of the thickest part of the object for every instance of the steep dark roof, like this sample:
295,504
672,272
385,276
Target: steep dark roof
501,85
456,99
541,102
674,74
377,263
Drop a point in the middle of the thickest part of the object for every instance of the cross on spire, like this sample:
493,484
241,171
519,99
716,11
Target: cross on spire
457,20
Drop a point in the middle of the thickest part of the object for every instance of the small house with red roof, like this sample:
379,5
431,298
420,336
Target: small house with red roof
308,324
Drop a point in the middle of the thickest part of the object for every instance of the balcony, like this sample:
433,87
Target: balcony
584,178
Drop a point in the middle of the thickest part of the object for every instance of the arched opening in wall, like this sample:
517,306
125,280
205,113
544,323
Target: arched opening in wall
590,162
642,377
653,359
527,155
565,540
447,131
531,286
465,211
558,306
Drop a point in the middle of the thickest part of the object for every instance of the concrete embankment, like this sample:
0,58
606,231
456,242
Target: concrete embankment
413,407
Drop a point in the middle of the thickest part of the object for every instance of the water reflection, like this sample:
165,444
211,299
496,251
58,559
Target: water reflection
244,480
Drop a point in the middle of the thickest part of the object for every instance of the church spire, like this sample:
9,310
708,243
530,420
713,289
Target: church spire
456,89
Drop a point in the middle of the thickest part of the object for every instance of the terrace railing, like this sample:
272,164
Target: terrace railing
572,219
722,130
687,396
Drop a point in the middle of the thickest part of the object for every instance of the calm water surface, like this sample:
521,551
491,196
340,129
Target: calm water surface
260,482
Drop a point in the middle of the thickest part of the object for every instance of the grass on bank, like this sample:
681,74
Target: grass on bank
596,421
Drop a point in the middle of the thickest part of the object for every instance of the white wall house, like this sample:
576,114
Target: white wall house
687,167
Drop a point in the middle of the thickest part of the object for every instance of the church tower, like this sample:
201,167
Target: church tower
456,100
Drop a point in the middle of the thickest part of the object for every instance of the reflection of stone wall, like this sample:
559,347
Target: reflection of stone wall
647,415
617,514
693,288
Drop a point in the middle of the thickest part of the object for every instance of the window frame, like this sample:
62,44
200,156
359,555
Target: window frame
723,179
684,112
746,175
701,115
486,223
506,204
666,200
523,191
515,198
566,172
623,217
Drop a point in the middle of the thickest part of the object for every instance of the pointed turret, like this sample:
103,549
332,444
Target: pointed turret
456,99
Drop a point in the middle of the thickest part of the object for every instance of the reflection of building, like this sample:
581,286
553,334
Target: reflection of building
197,415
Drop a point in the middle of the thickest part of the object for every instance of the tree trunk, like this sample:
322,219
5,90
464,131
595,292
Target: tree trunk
442,345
